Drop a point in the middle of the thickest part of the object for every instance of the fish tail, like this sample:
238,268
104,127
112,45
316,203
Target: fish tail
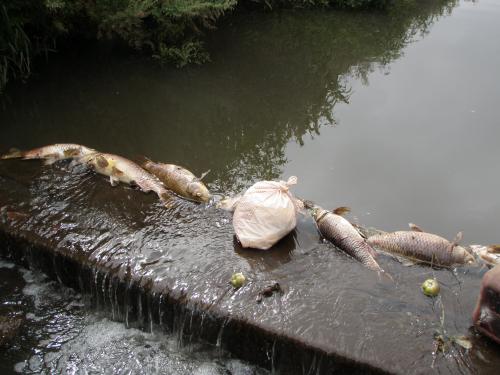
341,211
13,153
384,275
308,204
165,197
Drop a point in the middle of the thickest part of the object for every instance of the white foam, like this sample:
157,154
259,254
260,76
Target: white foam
19,367
6,264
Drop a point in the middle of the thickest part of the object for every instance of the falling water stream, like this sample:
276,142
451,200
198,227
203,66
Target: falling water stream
59,332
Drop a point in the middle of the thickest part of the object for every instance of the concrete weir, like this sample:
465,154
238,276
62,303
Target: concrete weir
145,263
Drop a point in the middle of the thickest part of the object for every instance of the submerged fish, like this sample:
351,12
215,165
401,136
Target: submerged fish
51,153
123,170
342,234
179,180
425,247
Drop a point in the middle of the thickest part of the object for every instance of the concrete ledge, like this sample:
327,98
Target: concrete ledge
147,264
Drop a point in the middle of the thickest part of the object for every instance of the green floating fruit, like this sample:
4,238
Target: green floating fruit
237,280
431,287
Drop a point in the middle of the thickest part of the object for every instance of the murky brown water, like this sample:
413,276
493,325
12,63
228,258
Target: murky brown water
393,115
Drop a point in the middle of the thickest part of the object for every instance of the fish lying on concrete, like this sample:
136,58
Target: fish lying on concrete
342,234
486,315
120,169
423,247
179,180
51,153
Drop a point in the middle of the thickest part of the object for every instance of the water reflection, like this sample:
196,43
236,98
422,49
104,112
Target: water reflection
274,78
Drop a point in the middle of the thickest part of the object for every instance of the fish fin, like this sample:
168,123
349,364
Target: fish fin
494,249
359,229
165,196
113,181
457,239
415,227
341,211
116,171
166,199
407,262
383,275
13,153
203,175
51,159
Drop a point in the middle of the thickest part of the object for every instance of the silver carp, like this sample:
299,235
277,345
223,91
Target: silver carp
120,169
342,234
179,180
51,153
424,247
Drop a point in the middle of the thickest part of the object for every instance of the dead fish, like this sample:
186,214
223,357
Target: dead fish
120,169
342,234
179,180
424,247
488,254
51,153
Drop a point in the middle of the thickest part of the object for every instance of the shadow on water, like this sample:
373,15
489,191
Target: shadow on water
274,78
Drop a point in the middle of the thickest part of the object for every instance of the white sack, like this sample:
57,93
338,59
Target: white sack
265,213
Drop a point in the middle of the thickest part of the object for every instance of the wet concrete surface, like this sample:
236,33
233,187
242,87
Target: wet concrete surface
143,263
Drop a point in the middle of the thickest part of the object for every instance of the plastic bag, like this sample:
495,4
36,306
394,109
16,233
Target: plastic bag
265,213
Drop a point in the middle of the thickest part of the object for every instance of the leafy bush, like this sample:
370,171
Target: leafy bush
169,30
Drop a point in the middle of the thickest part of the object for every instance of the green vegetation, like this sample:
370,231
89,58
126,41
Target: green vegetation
169,30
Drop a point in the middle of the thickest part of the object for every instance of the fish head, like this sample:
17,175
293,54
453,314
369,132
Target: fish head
463,256
318,212
198,192
99,162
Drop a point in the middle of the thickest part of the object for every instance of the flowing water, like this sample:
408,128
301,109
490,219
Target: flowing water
57,334
394,115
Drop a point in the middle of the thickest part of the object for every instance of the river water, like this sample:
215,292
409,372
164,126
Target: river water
394,115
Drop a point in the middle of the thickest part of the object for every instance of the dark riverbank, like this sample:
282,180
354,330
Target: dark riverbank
172,32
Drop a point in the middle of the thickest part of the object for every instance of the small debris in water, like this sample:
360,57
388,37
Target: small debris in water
268,291
237,280
431,287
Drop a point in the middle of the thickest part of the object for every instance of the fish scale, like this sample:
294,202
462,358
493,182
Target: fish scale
52,153
179,180
426,247
342,234
126,171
